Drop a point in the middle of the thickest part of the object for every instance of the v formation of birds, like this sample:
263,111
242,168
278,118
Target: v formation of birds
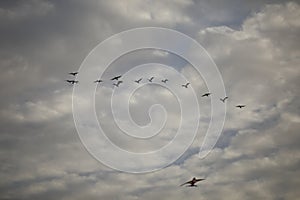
117,83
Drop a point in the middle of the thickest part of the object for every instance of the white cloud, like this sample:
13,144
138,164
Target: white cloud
160,12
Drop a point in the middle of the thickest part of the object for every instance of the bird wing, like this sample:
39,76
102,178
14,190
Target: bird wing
116,78
200,179
188,182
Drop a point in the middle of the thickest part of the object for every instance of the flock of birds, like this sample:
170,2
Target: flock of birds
191,183
118,82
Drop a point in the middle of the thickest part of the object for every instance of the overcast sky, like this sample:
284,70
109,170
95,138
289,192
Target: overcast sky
255,45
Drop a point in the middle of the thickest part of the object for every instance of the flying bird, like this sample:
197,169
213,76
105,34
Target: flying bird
98,81
72,81
224,99
186,85
193,182
240,106
206,94
118,83
151,79
73,73
164,81
116,78
138,81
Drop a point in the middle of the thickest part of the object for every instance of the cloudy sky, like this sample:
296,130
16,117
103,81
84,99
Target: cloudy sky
255,45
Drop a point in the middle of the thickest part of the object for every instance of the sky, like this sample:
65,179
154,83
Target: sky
254,44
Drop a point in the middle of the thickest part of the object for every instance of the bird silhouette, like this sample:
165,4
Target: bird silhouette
224,99
164,81
98,81
151,79
116,78
72,81
73,73
206,94
118,83
186,85
192,182
240,106
138,81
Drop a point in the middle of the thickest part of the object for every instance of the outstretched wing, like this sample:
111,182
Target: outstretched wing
200,179
188,182
116,77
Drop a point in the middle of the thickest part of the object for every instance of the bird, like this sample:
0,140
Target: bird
138,81
116,78
73,73
98,81
240,106
118,83
72,81
186,85
224,99
164,81
192,182
151,79
206,94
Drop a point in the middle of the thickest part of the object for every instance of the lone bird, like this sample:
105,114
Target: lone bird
151,79
164,81
118,83
116,78
206,94
193,182
72,81
240,106
73,73
98,81
186,85
224,99
138,81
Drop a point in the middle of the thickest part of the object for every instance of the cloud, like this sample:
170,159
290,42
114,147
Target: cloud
26,10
